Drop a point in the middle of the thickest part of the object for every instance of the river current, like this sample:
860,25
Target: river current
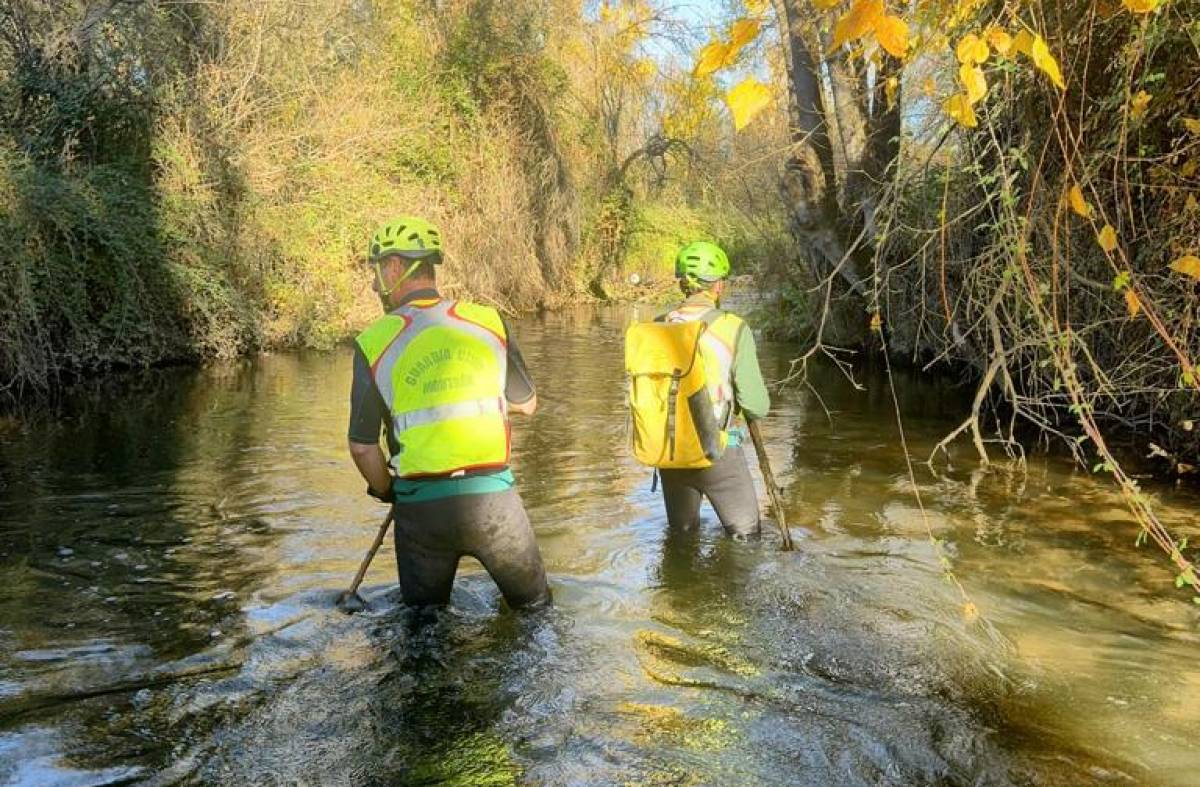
171,543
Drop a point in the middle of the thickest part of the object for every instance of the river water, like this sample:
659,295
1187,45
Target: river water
171,544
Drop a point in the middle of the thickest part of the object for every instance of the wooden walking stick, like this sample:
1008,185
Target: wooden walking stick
764,465
350,601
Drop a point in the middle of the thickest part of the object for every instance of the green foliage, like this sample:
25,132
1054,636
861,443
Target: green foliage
631,234
489,50
660,228
81,285
201,180
658,231
189,181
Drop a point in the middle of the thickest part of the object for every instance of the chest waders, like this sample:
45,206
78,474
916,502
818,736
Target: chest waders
441,368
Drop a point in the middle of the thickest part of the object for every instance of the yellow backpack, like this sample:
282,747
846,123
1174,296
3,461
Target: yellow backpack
673,421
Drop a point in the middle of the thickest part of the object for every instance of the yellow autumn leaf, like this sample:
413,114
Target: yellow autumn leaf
971,50
999,40
1078,203
747,99
959,107
1107,238
826,5
1040,53
929,87
1137,104
890,88
1189,168
1188,265
970,612
742,32
892,34
973,82
757,6
876,322
857,22
1192,125
712,58
1132,304
1140,6
1023,43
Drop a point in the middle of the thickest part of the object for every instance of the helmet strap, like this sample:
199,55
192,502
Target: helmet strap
383,293
691,286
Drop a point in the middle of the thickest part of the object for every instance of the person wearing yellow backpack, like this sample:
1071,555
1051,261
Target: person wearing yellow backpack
440,377
727,360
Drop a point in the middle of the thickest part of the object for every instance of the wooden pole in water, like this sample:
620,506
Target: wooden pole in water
343,601
764,465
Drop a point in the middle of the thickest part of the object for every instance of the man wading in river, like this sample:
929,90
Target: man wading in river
691,441
442,376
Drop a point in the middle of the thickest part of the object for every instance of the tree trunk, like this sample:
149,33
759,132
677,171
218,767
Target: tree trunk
810,184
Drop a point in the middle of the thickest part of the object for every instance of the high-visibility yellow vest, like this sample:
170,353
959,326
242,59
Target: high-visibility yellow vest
718,346
440,366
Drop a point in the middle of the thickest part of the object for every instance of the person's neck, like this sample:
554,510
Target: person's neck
407,288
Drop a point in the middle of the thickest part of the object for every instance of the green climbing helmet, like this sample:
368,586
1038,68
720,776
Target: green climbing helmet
408,237
701,262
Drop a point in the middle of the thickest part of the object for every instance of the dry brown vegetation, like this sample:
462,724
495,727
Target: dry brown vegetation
191,180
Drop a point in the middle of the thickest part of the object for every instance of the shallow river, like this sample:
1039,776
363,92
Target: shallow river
171,544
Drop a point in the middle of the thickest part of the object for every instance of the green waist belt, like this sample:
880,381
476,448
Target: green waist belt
425,489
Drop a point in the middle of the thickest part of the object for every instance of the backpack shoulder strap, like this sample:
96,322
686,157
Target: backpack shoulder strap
710,318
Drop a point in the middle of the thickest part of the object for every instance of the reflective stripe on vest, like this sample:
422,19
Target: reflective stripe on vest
445,412
718,346
440,366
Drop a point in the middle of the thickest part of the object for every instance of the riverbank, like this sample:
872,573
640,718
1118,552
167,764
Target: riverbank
59,380
201,182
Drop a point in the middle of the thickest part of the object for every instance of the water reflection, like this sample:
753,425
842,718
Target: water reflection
171,545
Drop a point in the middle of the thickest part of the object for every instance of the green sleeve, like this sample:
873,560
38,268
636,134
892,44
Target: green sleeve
748,386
